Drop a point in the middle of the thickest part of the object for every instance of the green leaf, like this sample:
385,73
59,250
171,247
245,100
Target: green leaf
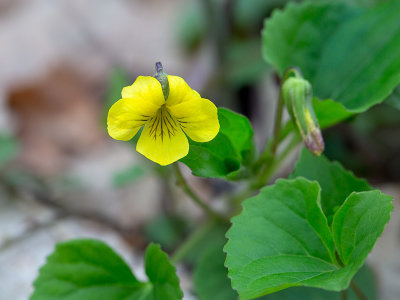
211,277
288,241
349,54
232,148
8,149
358,224
336,182
89,269
161,274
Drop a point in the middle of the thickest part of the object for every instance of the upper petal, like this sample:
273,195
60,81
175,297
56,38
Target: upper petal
198,118
126,117
179,91
162,140
146,88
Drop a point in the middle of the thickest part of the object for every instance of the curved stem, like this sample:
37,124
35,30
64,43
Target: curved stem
357,291
191,242
188,191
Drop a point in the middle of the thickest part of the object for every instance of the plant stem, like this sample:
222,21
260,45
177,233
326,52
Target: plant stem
343,294
188,191
193,239
357,291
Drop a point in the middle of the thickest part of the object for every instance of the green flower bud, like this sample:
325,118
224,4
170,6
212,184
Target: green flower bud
297,94
162,77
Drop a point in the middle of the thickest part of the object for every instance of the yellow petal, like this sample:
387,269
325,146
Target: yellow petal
126,117
162,139
179,91
147,88
198,118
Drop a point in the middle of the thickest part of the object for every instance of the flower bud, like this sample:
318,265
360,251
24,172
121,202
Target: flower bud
297,94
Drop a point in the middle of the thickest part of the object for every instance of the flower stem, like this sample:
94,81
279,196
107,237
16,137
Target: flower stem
191,242
357,291
343,294
188,191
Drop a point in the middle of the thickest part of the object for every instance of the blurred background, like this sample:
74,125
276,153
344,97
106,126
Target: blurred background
63,64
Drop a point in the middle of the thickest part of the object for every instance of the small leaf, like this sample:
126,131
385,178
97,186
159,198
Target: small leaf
336,182
89,269
358,224
288,242
161,274
232,148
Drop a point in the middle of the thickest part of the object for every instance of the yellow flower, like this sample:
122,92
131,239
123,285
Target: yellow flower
163,138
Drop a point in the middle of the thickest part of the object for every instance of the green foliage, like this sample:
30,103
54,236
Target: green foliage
349,54
358,223
231,149
288,241
336,182
8,148
89,269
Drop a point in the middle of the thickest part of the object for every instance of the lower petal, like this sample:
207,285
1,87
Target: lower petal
162,140
198,118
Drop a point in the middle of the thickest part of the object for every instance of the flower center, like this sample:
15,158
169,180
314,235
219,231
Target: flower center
163,124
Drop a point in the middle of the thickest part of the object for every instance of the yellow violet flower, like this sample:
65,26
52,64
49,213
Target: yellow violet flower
166,121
